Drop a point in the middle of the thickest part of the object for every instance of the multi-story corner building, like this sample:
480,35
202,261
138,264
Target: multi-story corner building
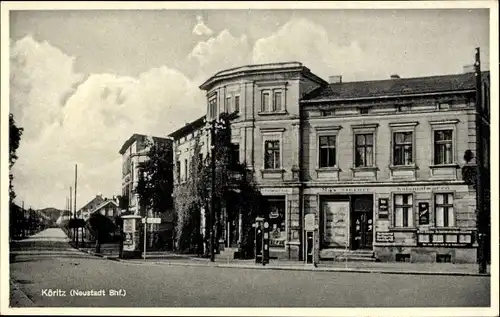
378,163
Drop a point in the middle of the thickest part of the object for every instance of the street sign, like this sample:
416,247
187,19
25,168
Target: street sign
152,220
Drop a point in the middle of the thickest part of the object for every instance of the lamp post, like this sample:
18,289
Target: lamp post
481,214
212,193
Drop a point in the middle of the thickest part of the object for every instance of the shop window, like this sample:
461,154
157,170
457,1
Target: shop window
272,154
443,209
403,210
400,257
443,258
327,151
364,150
364,110
443,147
403,148
276,216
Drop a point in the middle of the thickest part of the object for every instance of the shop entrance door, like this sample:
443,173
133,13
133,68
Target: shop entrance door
362,222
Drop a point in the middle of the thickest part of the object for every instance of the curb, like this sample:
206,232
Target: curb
305,268
288,268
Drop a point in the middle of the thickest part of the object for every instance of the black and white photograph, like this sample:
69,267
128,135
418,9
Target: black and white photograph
250,158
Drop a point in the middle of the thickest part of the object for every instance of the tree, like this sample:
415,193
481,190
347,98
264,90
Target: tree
232,179
155,183
189,200
101,227
15,134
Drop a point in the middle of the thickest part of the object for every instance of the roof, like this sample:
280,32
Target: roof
260,68
106,202
188,128
392,87
137,136
95,201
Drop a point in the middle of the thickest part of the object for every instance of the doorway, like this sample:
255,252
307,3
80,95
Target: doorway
361,222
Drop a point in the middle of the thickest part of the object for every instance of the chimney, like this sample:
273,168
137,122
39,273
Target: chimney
468,69
395,76
337,79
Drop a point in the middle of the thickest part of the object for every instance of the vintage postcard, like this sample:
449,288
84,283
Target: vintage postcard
250,158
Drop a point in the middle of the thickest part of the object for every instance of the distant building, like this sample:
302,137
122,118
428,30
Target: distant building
378,163
89,208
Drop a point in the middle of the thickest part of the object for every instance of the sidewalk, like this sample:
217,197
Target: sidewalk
173,259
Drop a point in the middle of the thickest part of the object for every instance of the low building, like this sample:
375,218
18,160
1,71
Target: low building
378,163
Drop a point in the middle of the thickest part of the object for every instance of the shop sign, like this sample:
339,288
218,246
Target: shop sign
423,213
383,208
346,189
276,191
421,189
444,244
384,236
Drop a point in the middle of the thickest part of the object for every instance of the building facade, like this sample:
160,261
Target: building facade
135,152
377,163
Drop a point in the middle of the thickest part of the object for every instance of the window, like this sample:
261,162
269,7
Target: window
327,151
265,101
364,150
178,170
364,110
272,154
277,101
227,105
443,147
403,210
200,161
186,169
443,209
212,107
277,227
236,154
237,103
403,148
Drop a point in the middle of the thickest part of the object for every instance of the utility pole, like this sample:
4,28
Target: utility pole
481,214
70,211
212,195
76,229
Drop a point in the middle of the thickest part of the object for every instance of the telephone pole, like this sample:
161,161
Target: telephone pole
76,228
70,230
481,212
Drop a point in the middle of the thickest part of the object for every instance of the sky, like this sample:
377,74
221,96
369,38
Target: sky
82,82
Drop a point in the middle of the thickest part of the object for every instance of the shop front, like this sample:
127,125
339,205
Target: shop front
427,223
282,213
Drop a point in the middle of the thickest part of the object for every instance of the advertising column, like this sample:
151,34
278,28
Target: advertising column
131,248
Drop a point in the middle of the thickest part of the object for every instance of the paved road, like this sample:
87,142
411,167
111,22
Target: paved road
158,285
